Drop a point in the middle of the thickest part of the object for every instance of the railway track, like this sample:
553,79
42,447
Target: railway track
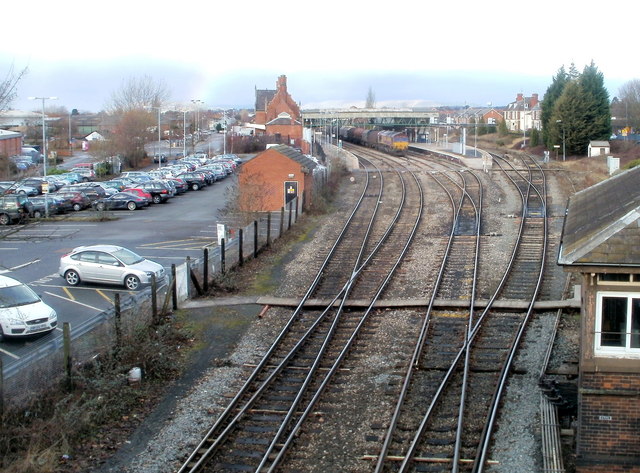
260,423
454,432
448,385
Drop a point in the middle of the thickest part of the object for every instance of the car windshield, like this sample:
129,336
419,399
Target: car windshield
127,256
14,296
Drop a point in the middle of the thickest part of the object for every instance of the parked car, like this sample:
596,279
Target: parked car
139,192
159,158
12,187
14,208
79,200
159,190
108,264
86,172
121,200
195,180
93,190
22,312
57,205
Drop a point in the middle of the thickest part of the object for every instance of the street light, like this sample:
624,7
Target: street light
197,130
564,154
157,147
44,149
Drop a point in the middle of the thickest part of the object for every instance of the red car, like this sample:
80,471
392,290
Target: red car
139,192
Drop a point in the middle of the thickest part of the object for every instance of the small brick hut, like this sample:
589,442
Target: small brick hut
601,242
275,177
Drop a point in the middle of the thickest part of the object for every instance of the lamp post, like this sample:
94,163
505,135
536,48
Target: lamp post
184,133
564,153
44,149
196,102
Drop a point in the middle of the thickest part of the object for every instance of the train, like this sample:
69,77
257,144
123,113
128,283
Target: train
389,141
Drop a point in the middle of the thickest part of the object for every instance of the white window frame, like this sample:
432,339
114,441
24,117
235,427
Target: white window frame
614,352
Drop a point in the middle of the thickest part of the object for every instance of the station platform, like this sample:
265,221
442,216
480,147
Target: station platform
481,162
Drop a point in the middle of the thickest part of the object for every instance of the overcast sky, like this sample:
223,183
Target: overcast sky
410,53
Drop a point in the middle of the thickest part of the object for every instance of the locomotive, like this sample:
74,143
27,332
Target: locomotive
394,142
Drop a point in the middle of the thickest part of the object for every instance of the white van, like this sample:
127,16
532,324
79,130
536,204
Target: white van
22,312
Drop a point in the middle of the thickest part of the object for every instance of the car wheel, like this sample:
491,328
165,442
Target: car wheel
157,199
37,214
77,207
195,186
4,219
72,278
131,282
100,206
132,205
22,192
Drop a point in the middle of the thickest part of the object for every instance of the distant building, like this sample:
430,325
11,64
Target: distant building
523,114
601,243
10,143
598,148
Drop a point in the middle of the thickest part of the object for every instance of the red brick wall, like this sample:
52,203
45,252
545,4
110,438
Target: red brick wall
11,146
609,423
262,180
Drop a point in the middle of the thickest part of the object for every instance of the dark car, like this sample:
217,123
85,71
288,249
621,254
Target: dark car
78,200
121,200
180,185
195,180
91,189
14,208
159,190
48,204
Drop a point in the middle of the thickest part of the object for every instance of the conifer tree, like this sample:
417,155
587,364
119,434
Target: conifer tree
553,93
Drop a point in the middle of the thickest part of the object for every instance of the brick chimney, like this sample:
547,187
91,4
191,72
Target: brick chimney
281,85
519,98
534,100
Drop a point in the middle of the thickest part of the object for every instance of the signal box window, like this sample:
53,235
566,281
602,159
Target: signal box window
618,325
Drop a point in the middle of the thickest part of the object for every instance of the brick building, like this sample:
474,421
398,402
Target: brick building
274,177
280,114
601,242
10,143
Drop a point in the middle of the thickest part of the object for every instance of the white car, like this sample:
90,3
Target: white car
108,264
22,312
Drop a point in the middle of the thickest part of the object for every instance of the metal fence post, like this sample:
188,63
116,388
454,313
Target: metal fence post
240,241
66,341
154,300
269,229
289,216
174,287
222,255
255,239
281,221
205,270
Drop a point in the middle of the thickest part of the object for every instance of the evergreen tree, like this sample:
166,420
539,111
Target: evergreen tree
553,93
597,114
502,128
571,111
534,138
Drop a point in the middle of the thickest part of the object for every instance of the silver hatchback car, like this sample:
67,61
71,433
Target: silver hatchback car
108,264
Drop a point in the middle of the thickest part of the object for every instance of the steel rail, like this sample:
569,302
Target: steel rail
197,455
339,359
488,429
413,364
408,457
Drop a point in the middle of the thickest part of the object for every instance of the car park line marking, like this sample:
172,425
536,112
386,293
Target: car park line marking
97,309
68,293
8,353
104,295
29,263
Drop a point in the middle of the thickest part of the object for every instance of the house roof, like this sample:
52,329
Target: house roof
602,224
598,143
6,134
263,97
283,119
295,155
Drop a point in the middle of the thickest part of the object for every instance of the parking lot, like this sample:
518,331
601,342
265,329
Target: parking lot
167,233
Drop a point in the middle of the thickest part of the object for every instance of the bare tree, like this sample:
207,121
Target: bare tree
628,107
9,85
137,94
371,99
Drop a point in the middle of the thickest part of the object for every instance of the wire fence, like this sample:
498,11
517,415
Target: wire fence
50,360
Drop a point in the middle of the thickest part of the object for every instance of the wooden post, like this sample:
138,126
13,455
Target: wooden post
154,301
240,242
117,326
174,288
269,229
66,350
205,270
255,239
289,224
222,255
297,204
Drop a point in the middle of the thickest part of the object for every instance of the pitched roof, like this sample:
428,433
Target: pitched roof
295,155
602,224
263,97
